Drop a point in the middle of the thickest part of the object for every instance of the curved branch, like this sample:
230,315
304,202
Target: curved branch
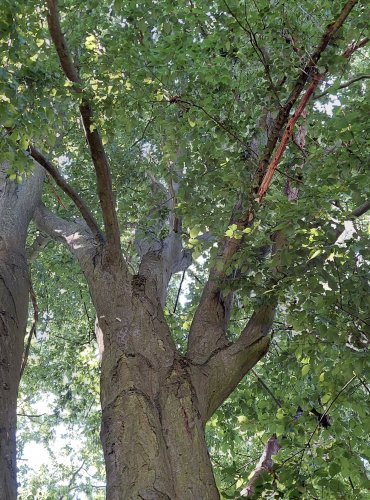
344,85
75,235
60,44
69,190
99,158
218,376
203,341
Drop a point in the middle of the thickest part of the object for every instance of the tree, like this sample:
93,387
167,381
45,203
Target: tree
210,122
17,204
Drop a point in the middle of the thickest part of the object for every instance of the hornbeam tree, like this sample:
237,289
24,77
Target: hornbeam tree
225,142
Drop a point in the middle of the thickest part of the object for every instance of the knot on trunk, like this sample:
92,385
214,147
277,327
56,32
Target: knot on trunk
138,284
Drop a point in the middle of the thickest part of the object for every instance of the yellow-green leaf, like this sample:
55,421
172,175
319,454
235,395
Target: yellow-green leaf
325,398
305,369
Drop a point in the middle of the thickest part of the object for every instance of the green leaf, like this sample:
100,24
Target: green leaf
305,369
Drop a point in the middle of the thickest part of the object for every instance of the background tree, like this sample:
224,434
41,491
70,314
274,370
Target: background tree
183,108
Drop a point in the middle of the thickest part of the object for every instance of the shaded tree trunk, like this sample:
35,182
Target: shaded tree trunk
152,423
155,402
17,203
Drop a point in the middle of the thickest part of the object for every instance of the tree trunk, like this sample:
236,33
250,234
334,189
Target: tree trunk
13,318
152,427
153,441
17,203
155,402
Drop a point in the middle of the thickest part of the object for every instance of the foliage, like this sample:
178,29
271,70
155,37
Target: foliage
184,84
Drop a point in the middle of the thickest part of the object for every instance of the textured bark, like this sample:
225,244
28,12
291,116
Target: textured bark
17,204
155,402
152,429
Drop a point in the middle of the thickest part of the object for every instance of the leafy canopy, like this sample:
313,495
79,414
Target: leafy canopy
187,83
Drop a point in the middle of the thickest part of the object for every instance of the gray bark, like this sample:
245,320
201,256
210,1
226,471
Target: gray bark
155,402
17,203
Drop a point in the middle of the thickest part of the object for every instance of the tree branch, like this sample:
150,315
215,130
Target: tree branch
286,136
32,330
38,244
361,210
218,376
69,190
60,44
75,235
100,161
344,85
355,46
265,464
161,257
212,309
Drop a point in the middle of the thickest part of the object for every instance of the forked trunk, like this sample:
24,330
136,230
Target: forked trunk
156,402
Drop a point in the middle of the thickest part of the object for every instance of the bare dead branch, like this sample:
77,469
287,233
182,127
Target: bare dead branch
69,190
265,464
287,135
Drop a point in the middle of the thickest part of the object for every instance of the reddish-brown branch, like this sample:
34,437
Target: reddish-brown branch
69,190
212,304
99,158
304,77
292,121
287,135
355,46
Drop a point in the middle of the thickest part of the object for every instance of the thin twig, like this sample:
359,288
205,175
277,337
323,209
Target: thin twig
215,120
179,291
32,330
344,85
266,388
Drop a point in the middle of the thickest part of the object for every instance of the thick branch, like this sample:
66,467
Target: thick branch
75,235
104,181
60,44
203,342
161,257
100,161
218,376
265,464
69,190
361,210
